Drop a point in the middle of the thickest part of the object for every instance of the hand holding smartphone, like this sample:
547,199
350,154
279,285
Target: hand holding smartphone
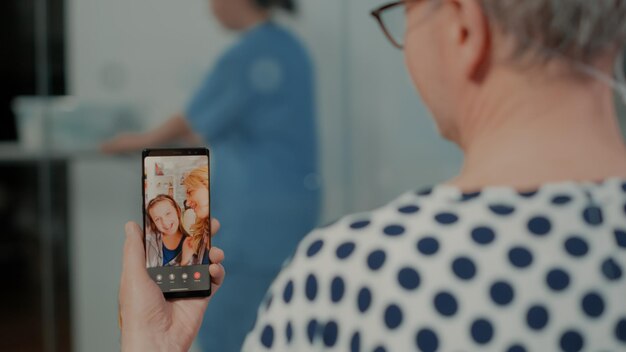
177,226
143,309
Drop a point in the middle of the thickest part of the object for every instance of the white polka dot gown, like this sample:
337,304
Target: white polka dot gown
440,270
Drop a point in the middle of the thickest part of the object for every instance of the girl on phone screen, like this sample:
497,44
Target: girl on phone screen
164,243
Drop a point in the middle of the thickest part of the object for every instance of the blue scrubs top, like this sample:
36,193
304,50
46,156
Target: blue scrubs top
256,110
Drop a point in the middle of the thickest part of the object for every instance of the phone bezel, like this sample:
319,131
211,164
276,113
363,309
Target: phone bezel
151,152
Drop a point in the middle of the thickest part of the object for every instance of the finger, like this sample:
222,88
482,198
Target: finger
217,274
215,226
134,264
216,255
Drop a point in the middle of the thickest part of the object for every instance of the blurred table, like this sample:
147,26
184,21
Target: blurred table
11,152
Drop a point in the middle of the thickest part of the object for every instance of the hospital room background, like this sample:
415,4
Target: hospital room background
127,65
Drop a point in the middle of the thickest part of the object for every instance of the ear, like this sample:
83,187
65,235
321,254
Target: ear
470,37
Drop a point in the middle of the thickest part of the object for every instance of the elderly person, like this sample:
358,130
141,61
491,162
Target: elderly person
526,249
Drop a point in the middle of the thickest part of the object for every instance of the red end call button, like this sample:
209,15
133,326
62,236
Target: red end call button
196,275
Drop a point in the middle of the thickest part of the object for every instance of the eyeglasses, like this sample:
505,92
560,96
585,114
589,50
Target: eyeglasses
392,20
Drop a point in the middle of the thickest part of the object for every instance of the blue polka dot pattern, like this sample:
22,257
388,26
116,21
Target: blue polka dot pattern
561,199
289,332
539,265
539,226
571,341
446,218
501,209
311,330
520,257
593,305
537,317
427,340
446,304
355,342
469,196
557,279
361,224
516,348
409,278
528,194
330,334
620,330
393,316
267,337
394,230
611,270
344,250
288,292
501,293
576,246
376,259
428,246
464,268
311,287
314,248
483,235
409,209
593,216
364,299
337,288
620,238
482,331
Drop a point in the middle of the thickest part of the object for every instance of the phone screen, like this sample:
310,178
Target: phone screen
177,226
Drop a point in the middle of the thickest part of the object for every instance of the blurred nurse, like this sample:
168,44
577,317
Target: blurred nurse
256,109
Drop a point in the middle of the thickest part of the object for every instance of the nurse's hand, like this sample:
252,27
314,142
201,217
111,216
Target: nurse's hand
125,143
149,322
173,129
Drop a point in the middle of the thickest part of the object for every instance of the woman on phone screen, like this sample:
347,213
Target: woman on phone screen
197,190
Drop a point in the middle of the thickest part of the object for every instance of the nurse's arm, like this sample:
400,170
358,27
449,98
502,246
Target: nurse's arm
173,129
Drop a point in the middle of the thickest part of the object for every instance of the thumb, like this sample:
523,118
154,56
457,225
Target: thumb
134,263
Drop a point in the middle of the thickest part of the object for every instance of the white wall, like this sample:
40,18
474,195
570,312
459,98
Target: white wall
153,52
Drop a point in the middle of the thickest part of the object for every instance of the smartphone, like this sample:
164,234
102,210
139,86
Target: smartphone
176,206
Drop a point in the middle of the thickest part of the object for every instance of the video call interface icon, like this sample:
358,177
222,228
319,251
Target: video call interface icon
171,277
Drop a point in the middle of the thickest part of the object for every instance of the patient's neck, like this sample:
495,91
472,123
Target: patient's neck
523,131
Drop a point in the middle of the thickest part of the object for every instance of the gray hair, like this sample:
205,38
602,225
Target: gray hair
579,30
